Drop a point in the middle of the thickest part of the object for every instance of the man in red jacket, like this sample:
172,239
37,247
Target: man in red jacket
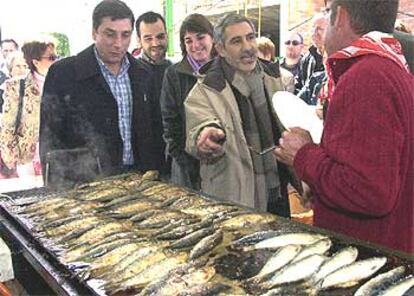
362,174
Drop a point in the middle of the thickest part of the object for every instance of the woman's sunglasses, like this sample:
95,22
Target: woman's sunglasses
51,58
294,42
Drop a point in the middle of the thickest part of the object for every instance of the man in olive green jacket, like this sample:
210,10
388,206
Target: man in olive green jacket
230,119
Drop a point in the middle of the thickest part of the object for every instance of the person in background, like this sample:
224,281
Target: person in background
153,41
7,47
312,69
100,100
17,69
196,42
229,120
19,134
266,52
294,49
361,174
17,65
406,38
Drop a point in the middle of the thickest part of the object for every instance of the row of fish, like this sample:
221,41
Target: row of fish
300,264
136,234
125,235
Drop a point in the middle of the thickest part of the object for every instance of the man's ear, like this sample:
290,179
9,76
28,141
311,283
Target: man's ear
342,19
220,49
139,42
94,32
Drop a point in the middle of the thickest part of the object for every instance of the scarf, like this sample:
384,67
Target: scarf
378,43
257,126
195,65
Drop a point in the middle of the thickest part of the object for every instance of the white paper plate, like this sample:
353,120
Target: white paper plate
294,112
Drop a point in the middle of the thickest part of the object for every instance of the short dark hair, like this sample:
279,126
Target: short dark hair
228,20
368,15
34,50
149,17
10,41
115,9
195,23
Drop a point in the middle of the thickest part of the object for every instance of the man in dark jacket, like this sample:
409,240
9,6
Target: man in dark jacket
407,43
153,40
99,100
311,67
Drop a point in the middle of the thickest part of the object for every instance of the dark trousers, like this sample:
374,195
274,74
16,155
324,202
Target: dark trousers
278,202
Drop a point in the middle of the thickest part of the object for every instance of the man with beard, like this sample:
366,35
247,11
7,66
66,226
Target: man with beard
229,120
99,100
153,40
294,47
361,174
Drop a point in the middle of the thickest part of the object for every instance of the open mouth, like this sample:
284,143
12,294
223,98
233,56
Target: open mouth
248,59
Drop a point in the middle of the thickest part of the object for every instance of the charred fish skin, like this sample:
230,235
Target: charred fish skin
208,289
380,282
206,244
132,264
154,271
249,219
255,237
338,260
352,274
134,268
162,218
191,239
290,290
402,287
184,230
175,224
178,279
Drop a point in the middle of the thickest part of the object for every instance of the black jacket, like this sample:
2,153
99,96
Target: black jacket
407,43
178,81
309,64
157,71
79,110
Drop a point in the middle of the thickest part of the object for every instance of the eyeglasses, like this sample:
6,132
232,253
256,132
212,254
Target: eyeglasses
51,58
293,42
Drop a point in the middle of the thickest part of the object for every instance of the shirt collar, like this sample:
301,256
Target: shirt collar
124,66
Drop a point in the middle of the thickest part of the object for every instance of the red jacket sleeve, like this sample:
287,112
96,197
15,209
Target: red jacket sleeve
356,168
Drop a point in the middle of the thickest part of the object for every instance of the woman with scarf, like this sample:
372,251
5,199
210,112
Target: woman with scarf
196,41
19,134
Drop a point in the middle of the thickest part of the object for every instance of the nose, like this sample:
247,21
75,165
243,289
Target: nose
195,45
155,42
247,44
118,41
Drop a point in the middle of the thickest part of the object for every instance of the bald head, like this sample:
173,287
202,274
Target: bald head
319,26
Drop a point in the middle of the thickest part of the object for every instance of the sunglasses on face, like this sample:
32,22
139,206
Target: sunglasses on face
293,42
51,58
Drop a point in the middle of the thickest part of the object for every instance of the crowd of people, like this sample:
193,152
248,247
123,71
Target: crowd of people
208,123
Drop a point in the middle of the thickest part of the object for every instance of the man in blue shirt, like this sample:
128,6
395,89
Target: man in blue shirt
99,100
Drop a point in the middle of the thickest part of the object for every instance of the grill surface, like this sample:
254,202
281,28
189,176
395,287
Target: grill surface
62,281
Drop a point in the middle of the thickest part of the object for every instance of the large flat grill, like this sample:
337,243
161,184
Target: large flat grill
64,282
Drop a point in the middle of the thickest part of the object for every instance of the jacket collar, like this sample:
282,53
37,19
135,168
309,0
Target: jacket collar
214,73
184,67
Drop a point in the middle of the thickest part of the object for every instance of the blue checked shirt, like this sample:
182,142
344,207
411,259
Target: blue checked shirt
120,86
